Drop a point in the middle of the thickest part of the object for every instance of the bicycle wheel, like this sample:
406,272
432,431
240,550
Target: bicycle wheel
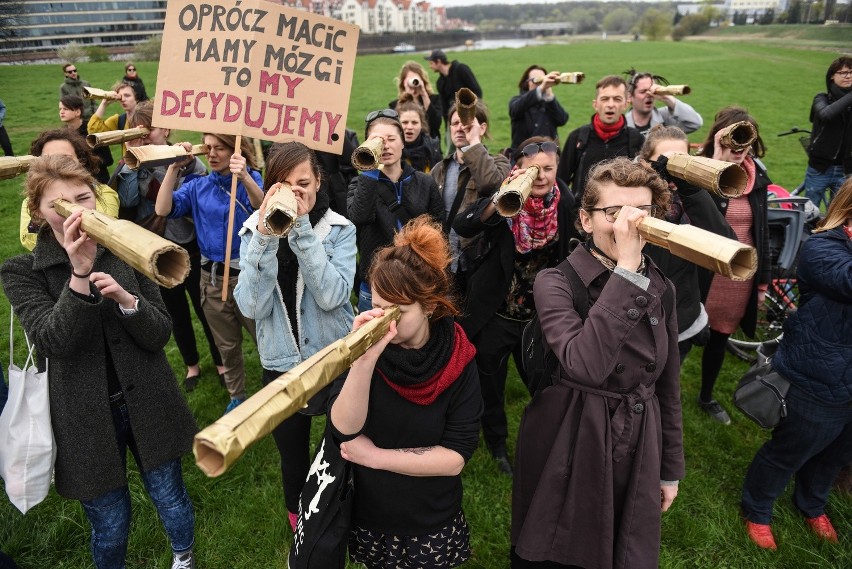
781,299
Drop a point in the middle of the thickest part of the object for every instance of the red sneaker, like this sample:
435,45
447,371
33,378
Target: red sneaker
761,534
822,527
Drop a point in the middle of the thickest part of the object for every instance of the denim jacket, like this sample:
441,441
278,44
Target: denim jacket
326,256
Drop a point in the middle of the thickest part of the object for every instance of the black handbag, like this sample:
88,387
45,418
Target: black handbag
762,392
321,537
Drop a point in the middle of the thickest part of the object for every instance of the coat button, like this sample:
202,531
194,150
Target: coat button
651,367
641,301
654,320
619,368
639,408
633,314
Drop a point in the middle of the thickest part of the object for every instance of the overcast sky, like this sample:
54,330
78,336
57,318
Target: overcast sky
455,3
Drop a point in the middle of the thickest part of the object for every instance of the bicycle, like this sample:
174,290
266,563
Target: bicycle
805,141
791,219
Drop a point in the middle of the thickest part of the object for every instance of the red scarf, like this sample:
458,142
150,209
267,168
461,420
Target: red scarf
848,231
426,392
606,132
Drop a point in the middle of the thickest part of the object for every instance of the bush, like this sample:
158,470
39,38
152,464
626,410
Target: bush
71,52
149,50
691,25
655,24
97,53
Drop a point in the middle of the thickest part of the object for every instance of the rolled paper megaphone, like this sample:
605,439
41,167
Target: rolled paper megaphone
93,93
727,257
219,445
162,261
280,211
738,136
569,77
368,156
512,195
98,139
11,166
722,178
466,105
673,90
153,155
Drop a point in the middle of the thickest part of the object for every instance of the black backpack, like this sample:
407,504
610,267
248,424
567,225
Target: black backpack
538,360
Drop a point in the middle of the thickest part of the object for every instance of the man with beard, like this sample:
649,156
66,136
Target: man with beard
642,90
606,136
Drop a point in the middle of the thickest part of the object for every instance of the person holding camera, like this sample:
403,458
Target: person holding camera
535,110
413,82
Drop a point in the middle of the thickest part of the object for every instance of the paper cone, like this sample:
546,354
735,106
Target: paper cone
466,105
673,90
153,155
109,137
281,211
722,178
728,257
162,261
511,197
11,166
569,77
368,156
93,93
738,136
218,446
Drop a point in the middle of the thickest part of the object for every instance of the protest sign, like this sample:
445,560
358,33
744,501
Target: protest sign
258,69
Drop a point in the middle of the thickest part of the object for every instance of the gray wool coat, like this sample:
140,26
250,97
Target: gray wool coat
74,335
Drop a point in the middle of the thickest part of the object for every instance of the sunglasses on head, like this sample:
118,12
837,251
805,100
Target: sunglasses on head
535,147
384,113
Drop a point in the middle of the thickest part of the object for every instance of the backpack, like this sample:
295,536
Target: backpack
537,359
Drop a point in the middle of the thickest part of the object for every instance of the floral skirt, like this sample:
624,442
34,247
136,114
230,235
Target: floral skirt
448,547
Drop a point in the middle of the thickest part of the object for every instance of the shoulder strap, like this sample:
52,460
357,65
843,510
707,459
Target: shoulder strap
583,137
387,196
579,291
122,120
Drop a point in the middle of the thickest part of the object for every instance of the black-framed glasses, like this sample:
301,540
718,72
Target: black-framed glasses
131,69
611,212
534,148
847,73
383,113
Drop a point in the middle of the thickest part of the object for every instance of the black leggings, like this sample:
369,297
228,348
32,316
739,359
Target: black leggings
293,439
711,363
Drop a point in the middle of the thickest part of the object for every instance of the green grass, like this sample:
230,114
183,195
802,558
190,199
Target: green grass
241,520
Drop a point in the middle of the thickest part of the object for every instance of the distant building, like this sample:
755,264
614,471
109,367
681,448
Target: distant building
390,16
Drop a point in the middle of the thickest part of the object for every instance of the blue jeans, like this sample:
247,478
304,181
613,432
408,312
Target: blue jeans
109,514
365,297
817,182
814,442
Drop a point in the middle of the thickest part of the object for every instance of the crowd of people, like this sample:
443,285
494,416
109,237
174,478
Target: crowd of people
599,452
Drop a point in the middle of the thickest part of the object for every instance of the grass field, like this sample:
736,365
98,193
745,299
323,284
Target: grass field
241,520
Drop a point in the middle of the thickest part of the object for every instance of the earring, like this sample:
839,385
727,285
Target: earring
427,316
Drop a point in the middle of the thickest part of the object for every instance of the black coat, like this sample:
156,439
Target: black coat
457,77
832,129
533,116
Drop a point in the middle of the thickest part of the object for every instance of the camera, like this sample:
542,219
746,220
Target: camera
415,82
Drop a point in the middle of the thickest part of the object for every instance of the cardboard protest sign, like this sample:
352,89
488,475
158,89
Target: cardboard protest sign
258,69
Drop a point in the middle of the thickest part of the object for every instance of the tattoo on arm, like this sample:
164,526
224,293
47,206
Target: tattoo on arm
418,450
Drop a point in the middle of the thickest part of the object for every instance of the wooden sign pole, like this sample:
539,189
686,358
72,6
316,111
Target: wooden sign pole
230,237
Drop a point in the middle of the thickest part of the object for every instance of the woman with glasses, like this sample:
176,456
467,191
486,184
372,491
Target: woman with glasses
131,77
138,191
732,304
499,299
207,200
535,110
382,201
689,205
600,451
407,413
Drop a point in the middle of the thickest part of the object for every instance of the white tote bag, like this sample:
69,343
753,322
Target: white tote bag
27,448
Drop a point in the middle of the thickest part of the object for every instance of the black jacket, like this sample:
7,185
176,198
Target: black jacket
533,116
433,115
831,135
457,77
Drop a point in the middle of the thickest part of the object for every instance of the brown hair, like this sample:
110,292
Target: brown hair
657,134
524,83
726,117
246,147
45,170
143,114
66,66
73,102
283,157
838,64
128,65
415,268
407,104
85,156
124,85
610,81
407,67
384,120
626,173
481,114
839,210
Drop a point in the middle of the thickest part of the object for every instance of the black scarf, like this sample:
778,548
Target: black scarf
417,154
288,264
836,91
410,367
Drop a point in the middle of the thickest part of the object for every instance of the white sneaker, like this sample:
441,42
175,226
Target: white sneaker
183,561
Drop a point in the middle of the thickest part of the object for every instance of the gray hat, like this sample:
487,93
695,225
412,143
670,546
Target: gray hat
436,55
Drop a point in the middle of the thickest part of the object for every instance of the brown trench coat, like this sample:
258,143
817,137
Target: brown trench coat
593,448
